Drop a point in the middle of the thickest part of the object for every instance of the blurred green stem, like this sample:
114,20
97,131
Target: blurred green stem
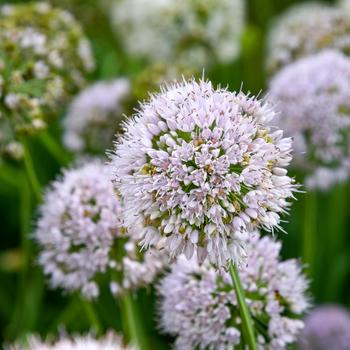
247,323
130,322
29,167
92,315
309,232
58,153
15,326
9,175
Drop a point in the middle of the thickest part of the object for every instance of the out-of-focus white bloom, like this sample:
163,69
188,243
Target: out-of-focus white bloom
94,116
313,95
326,327
194,32
304,30
199,306
44,60
80,235
109,342
198,169
14,149
344,6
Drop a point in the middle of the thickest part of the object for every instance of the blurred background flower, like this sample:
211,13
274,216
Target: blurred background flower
109,342
95,115
199,306
194,32
44,58
315,111
307,29
326,327
80,233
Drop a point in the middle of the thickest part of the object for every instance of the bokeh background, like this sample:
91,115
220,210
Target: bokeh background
318,227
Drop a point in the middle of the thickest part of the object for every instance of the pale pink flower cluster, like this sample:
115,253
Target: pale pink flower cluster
80,235
199,306
313,95
94,116
198,169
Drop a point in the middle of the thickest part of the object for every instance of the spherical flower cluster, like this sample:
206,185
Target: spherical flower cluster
193,32
304,30
80,235
199,306
198,169
327,327
94,116
109,342
313,95
44,58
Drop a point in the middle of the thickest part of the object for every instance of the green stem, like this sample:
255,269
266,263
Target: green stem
57,152
9,175
336,244
130,322
30,170
92,315
247,323
15,326
309,232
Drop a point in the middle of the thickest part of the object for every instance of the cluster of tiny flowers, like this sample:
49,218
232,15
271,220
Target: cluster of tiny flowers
327,327
193,32
94,116
304,30
80,235
199,306
199,169
313,95
110,341
44,58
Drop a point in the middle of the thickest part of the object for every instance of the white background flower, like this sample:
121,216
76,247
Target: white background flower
307,29
191,31
313,95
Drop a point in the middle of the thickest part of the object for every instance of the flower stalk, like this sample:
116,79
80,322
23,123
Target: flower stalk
92,315
31,174
57,152
247,323
130,323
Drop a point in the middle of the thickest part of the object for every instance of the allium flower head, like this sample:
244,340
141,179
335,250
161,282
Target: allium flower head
198,169
199,306
109,342
326,327
193,32
44,58
307,29
313,95
80,235
94,116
